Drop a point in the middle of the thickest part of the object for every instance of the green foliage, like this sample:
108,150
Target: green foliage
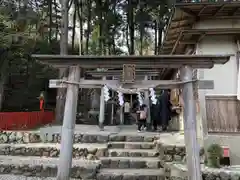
214,153
28,27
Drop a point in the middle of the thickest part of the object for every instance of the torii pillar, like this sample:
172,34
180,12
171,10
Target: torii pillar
147,102
102,109
69,119
190,128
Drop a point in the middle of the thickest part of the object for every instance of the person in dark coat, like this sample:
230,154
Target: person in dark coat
165,109
155,115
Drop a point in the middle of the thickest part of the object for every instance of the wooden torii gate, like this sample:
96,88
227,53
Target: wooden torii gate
118,74
183,62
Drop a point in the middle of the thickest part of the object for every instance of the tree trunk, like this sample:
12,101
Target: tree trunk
100,23
131,26
2,82
80,14
61,94
127,39
141,31
155,38
81,27
4,65
89,7
56,10
113,49
74,25
141,39
50,22
159,38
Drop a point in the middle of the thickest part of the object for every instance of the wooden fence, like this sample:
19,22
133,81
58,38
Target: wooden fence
223,114
25,120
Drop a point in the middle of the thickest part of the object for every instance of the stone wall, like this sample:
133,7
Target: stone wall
173,159
48,168
37,137
177,171
53,150
170,153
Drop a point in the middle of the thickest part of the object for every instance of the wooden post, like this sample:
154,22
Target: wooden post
102,109
190,130
65,161
147,102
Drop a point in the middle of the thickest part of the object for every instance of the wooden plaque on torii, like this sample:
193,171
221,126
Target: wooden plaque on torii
128,75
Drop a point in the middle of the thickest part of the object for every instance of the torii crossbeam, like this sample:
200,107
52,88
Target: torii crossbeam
184,62
153,62
118,73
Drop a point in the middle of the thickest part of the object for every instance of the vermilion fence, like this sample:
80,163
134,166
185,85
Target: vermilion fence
25,120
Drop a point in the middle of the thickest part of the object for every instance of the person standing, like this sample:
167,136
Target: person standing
142,121
126,112
165,109
155,108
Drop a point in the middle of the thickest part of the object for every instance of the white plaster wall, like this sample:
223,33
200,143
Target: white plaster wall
224,76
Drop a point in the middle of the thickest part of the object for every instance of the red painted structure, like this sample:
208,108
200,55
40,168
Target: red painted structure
25,120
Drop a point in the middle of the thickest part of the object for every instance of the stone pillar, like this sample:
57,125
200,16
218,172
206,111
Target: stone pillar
147,102
190,134
121,115
112,106
65,160
102,108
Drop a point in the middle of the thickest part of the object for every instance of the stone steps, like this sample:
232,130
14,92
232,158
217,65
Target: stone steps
85,150
130,162
131,138
29,155
131,174
131,158
55,137
41,137
46,167
132,153
131,145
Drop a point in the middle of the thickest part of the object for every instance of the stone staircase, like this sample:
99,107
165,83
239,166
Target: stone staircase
34,156
130,158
